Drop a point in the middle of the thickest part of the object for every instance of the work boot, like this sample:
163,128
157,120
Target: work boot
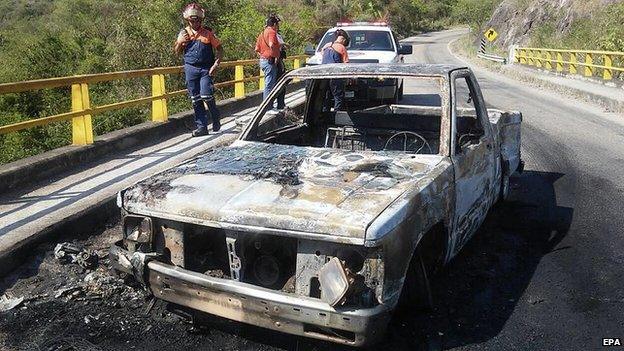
200,132
216,126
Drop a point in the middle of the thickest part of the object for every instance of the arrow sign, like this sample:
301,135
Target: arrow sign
491,34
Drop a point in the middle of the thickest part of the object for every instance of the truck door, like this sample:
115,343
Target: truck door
473,156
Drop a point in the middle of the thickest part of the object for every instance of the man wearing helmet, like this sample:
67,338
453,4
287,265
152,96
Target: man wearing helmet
196,43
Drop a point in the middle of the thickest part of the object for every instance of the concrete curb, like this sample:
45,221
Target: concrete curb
50,165
531,76
519,73
56,162
94,216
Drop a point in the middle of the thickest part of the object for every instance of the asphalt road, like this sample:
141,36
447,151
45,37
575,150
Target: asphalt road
545,271
556,280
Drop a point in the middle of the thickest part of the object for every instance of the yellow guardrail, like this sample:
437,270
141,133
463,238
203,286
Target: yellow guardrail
592,62
81,110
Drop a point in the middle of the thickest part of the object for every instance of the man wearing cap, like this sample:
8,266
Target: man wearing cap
197,44
268,47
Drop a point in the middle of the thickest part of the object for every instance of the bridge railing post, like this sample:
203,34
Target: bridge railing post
159,107
607,74
573,62
512,55
523,59
588,61
261,80
548,61
82,127
296,63
559,62
239,87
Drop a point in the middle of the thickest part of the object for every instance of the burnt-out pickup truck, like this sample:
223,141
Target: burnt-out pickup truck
319,222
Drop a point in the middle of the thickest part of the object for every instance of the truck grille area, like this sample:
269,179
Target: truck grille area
285,264
262,260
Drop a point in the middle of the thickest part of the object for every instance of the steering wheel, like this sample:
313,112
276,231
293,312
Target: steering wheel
406,145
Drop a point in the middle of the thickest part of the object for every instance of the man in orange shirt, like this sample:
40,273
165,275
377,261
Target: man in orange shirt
336,52
197,42
268,47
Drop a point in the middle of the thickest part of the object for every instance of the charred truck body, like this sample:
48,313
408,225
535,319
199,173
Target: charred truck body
319,222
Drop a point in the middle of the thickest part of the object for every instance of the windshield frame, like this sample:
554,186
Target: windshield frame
445,103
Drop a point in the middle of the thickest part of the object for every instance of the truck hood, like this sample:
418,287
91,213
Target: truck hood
359,55
281,187
380,56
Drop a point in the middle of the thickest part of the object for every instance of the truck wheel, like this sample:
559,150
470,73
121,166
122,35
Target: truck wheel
416,294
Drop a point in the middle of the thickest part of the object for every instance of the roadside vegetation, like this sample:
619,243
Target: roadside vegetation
44,39
600,29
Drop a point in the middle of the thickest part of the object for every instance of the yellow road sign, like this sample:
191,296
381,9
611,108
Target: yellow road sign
490,34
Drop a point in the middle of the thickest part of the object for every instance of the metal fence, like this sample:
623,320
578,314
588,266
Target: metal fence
81,110
607,65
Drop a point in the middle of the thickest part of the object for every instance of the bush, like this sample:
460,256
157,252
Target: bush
66,37
473,12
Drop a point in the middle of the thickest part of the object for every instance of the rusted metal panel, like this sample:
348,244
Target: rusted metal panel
169,240
408,69
366,211
265,308
307,189
507,126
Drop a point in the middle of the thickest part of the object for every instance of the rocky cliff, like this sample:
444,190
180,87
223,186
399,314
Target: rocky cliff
517,21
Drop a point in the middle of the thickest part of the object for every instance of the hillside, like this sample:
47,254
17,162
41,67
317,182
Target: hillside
54,38
579,24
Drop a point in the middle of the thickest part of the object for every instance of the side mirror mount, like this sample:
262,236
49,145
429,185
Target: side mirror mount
405,50
309,50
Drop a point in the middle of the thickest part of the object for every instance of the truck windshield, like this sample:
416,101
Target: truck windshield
363,40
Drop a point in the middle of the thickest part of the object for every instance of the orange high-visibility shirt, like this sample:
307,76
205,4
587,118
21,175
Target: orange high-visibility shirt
340,49
267,44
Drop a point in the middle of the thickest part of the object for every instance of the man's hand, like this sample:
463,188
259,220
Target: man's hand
213,69
181,41
183,38
217,60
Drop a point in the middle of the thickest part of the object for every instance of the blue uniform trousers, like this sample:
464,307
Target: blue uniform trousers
201,90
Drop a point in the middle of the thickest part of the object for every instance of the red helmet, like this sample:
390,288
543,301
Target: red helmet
193,10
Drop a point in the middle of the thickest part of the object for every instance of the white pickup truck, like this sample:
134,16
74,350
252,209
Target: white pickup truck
370,42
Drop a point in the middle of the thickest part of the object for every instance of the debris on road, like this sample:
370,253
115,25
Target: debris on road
70,292
73,253
535,300
9,303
